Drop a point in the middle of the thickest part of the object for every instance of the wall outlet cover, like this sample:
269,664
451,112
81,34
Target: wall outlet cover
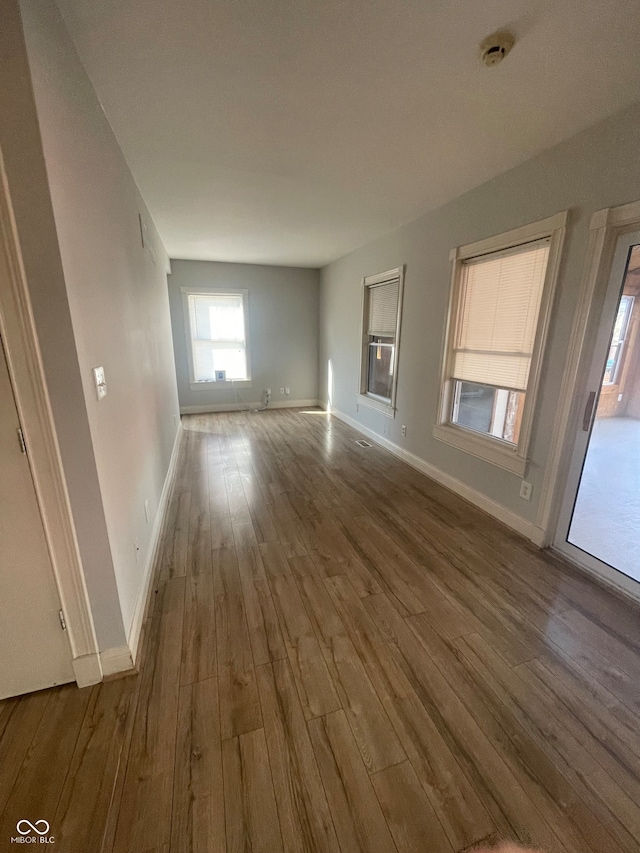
100,382
525,490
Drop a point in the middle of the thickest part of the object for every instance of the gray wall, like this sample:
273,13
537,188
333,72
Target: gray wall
598,168
283,327
99,300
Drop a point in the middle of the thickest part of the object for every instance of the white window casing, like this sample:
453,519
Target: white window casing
381,318
217,337
501,299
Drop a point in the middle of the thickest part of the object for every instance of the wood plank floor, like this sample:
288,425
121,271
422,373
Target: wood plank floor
340,657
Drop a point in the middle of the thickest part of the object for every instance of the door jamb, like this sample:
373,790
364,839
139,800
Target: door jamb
605,227
24,360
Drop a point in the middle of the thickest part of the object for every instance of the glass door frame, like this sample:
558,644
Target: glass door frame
606,298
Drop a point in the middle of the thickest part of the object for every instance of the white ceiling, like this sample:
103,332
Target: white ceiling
292,131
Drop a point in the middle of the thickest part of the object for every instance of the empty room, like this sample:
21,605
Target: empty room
320,426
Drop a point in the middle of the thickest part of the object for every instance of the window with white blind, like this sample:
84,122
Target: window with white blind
380,337
218,336
499,311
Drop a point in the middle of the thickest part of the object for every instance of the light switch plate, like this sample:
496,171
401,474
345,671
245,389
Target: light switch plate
221,375
100,381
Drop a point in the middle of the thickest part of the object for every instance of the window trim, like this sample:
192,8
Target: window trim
490,448
211,384
364,397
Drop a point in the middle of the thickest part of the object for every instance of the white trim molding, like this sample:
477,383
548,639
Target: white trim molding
18,330
605,228
380,404
240,407
492,449
116,661
227,385
525,528
377,404
87,670
189,332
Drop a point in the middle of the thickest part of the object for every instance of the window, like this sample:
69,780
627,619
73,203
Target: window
620,329
381,331
498,316
217,335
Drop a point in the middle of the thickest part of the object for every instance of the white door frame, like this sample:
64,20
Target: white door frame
606,226
24,360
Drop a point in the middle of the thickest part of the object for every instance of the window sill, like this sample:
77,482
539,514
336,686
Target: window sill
491,450
227,385
379,405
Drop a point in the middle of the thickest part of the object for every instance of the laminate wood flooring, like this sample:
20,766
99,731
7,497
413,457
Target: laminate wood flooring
340,656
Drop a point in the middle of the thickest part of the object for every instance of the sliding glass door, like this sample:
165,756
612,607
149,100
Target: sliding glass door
600,520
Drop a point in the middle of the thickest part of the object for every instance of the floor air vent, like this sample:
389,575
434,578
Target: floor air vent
363,443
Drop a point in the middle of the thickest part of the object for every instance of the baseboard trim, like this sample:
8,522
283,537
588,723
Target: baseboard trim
153,554
87,669
116,660
525,528
236,407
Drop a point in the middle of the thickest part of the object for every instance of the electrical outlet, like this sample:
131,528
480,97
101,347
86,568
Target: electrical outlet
525,490
100,382
404,430
287,391
146,510
282,392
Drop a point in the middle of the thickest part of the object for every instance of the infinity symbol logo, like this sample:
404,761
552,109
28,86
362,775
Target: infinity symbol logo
31,827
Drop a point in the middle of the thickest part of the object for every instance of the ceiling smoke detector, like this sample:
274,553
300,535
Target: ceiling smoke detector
495,47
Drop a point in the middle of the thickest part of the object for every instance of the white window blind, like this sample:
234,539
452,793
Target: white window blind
499,307
217,335
383,309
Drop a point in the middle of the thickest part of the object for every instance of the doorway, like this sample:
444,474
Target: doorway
600,519
35,649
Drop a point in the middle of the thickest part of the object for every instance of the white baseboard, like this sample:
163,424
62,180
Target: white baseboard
123,658
116,660
235,407
87,670
526,528
135,629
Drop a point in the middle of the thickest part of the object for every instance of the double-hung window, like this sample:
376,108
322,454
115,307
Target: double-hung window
498,317
217,325
382,304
